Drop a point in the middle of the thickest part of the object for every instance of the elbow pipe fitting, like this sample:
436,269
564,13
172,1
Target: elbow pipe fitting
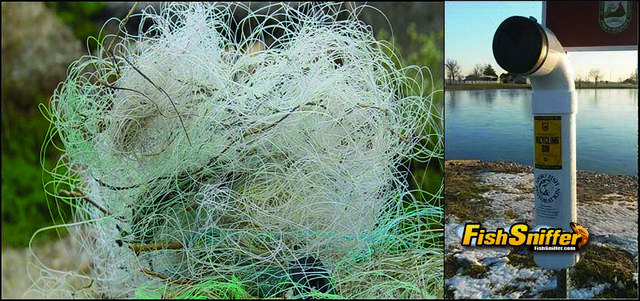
522,46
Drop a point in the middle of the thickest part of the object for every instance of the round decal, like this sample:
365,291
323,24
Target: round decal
547,188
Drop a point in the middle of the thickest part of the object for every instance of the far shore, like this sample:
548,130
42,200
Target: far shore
491,85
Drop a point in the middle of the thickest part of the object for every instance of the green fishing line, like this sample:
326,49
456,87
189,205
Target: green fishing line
208,156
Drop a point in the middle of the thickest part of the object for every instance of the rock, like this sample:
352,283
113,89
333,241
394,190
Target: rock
37,48
48,270
497,261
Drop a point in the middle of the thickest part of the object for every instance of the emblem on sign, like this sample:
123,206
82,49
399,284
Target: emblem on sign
615,16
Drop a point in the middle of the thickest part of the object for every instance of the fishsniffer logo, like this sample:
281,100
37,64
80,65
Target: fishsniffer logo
544,239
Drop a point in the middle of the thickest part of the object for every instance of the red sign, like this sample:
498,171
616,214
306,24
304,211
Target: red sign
593,25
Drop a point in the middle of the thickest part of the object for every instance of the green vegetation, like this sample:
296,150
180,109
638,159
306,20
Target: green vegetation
510,214
81,17
23,207
521,261
426,177
464,200
425,50
602,264
605,85
506,289
476,271
422,50
450,266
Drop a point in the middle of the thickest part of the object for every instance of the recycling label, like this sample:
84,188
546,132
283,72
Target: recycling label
548,142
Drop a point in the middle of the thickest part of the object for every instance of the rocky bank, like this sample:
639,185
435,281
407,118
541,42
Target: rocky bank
499,194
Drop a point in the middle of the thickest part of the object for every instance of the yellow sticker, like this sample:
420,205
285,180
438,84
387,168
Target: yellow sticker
548,142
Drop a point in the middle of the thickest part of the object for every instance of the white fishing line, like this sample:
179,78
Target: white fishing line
217,149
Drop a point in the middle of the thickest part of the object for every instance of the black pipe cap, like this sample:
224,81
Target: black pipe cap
520,45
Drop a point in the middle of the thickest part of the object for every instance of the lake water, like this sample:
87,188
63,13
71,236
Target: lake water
496,125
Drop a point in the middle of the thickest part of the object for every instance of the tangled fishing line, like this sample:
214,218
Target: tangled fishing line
256,157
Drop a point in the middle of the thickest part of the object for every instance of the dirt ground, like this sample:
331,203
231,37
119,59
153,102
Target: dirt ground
499,193
590,186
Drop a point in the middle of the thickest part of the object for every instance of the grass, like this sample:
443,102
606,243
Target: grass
602,264
463,197
24,209
476,271
521,261
506,289
605,85
598,264
450,266
510,214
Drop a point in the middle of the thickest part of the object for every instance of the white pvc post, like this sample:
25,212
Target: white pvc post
554,105
523,46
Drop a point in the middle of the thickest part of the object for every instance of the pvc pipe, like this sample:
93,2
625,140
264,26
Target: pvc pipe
523,46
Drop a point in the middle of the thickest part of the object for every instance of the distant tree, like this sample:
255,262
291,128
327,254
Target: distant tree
595,74
488,70
507,78
477,71
634,77
504,77
453,69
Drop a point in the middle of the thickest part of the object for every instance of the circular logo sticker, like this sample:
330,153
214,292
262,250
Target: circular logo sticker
615,16
547,188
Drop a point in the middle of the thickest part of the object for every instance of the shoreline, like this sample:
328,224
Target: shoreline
500,86
587,180
499,194
502,164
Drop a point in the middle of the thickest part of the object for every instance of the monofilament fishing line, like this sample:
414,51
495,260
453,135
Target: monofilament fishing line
263,156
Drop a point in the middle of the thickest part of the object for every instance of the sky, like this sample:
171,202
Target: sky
470,26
